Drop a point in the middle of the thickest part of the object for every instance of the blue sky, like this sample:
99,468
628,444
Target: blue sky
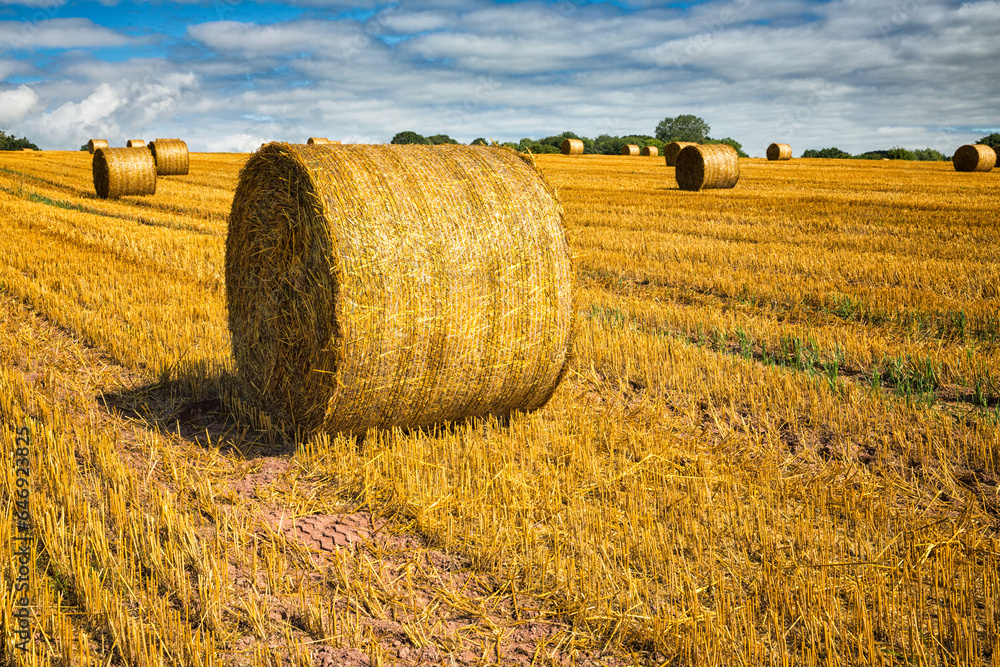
228,75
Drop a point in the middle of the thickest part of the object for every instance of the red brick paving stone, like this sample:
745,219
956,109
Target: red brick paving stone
327,532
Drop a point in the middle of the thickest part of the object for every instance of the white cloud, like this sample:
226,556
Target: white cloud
15,104
57,33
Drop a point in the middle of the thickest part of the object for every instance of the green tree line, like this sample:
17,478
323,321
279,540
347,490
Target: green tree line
8,142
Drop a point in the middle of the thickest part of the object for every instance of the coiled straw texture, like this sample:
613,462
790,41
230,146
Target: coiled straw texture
777,152
320,140
704,167
94,144
630,149
135,143
396,285
572,147
974,157
650,151
171,156
673,149
123,171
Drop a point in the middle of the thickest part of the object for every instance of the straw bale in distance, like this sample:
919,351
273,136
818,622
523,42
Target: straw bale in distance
572,147
707,167
171,157
779,152
396,285
94,144
135,143
630,149
673,149
123,171
313,141
650,151
974,157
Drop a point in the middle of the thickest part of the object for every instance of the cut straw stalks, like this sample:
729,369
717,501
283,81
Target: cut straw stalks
630,149
673,149
572,147
135,143
650,151
777,152
94,144
171,157
706,167
320,141
974,157
396,286
123,171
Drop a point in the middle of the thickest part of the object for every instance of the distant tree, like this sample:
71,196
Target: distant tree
900,153
438,139
929,155
85,147
728,141
480,141
408,137
873,155
9,143
832,152
991,140
682,128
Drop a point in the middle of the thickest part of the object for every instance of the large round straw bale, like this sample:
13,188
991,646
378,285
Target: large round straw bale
630,149
94,144
572,147
779,152
135,143
673,149
650,151
123,171
320,141
974,157
396,285
706,167
171,156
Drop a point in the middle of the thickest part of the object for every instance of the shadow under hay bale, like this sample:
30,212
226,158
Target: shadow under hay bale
135,143
650,151
673,149
974,157
171,157
777,152
572,147
123,171
630,149
320,141
706,167
395,285
94,144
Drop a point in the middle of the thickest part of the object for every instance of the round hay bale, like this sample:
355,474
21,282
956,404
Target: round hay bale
314,141
777,152
94,144
135,143
650,151
704,167
630,149
572,147
974,157
673,149
28,150
171,156
396,285
123,171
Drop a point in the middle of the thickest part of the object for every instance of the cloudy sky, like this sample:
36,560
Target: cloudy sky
227,75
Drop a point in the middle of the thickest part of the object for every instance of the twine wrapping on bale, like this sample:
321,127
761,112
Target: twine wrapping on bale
123,171
974,157
171,157
396,285
673,149
94,144
630,149
650,151
135,143
707,167
572,147
314,141
779,152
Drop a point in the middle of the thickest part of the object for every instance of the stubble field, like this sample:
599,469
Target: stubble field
778,443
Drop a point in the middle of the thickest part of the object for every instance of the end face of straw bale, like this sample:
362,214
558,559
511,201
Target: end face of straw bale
395,285
123,171
135,143
572,147
94,144
630,149
314,141
673,149
712,166
974,157
650,151
777,152
171,157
